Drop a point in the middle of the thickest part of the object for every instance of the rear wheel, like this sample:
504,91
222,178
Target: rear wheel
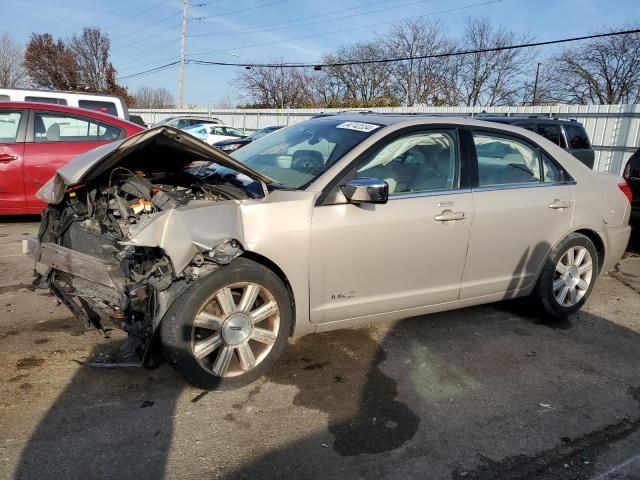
568,276
229,328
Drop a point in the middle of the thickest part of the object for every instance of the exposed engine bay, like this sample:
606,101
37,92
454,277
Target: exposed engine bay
86,239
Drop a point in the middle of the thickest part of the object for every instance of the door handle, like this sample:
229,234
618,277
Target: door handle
559,204
448,216
7,157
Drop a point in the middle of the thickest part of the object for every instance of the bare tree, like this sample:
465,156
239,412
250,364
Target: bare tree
91,52
326,90
497,77
601,71
420,80
365,83
275,87
147,97
12,72
50,63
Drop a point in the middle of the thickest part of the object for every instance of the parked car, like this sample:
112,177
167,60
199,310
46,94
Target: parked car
111,104
567,134
632,176
233,144
215,133
36,139
185,121
138,120
325,224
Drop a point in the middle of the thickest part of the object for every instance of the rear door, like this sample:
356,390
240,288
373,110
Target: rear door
523,203
13,124
53,139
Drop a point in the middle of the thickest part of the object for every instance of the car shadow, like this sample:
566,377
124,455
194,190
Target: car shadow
476,393
106,423
480,393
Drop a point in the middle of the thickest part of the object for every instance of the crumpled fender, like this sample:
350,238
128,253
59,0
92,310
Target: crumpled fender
186,231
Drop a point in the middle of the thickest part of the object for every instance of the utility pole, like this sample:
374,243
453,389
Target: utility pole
535,85
183,42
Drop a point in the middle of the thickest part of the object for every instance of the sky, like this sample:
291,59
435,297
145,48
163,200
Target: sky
146,33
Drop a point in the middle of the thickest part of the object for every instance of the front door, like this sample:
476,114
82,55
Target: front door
55,138
407,253
523,205
12,128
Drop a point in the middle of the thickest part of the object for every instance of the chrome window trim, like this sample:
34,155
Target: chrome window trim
512,186
432,193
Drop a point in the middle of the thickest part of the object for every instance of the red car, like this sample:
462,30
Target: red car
37,138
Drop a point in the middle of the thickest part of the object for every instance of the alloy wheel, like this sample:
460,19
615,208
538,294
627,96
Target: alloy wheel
235,329
572,277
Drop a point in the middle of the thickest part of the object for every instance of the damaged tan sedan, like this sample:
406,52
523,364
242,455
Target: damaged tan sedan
214,262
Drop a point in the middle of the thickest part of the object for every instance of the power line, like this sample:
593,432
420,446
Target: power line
287,25
152,70
147,26
387,60
200,62
131,17
323,34
132,62
198,5
418,57
242,10
286,22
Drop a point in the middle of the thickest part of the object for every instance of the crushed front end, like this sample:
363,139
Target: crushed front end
89,240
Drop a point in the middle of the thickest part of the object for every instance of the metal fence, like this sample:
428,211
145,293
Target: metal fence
614,129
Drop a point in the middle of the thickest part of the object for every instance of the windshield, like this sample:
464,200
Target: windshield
297,155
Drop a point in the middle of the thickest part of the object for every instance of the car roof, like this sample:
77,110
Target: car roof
410,120
418,119
523,119
51,107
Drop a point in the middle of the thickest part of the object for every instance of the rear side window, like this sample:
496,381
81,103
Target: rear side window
55,101
9,123
576,137
104,107
505,161
552,172
4,98
51,127
550,131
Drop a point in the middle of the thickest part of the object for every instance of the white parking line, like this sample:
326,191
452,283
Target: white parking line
628,466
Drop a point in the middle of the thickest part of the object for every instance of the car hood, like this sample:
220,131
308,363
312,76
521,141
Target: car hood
91,164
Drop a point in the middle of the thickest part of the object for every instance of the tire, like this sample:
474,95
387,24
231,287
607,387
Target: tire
560,275
208,328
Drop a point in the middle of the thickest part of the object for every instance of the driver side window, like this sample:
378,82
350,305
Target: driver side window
416,162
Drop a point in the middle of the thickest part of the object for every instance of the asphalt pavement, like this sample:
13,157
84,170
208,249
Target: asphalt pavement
483,393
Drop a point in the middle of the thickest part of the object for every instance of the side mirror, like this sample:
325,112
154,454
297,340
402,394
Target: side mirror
366,190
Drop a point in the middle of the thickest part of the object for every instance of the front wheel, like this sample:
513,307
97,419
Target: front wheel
229,328
567,277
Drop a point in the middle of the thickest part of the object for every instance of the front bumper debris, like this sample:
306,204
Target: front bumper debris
75,263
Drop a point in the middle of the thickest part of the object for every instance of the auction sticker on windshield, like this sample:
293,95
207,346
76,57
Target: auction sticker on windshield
359,126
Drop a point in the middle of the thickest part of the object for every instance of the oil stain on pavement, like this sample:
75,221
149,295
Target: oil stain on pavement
359,399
